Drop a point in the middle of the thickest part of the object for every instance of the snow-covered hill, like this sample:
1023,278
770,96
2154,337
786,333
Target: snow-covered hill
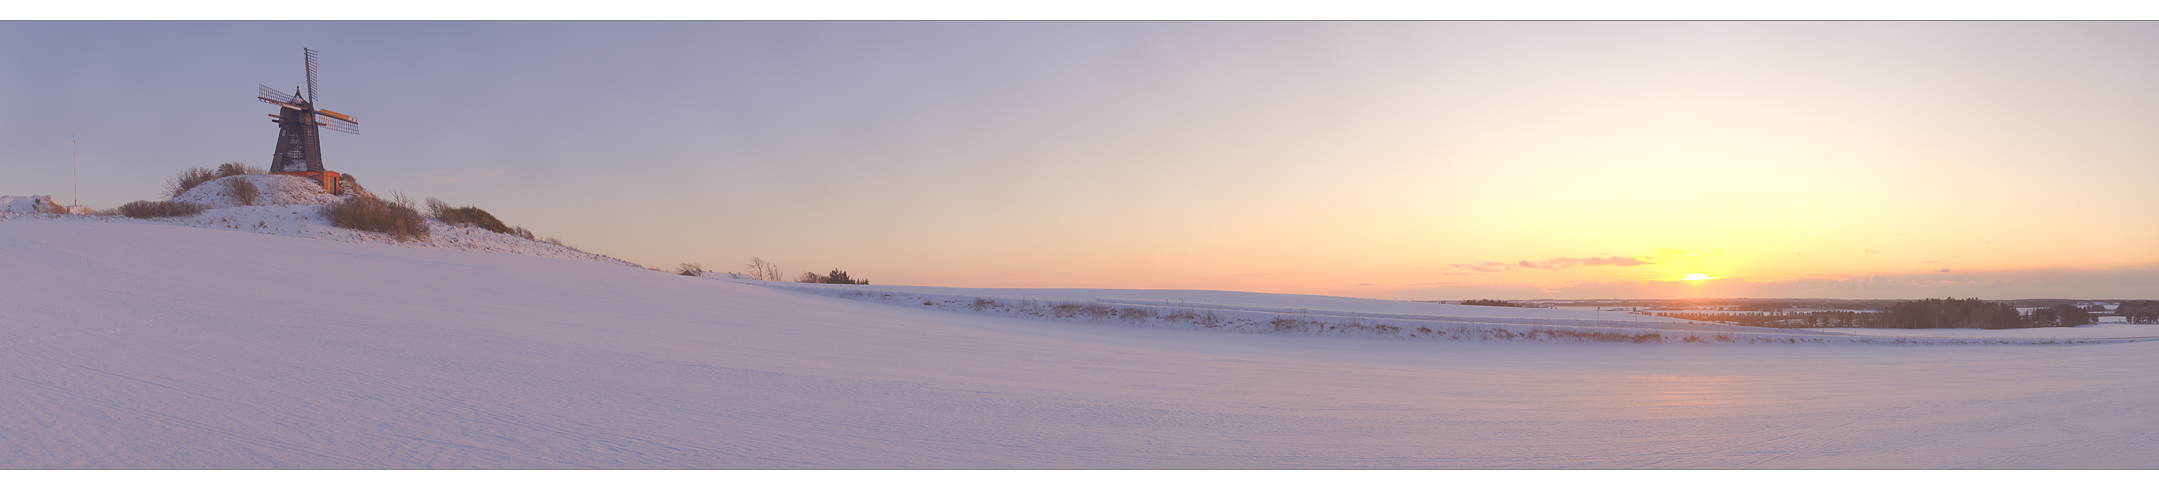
133,344
292,206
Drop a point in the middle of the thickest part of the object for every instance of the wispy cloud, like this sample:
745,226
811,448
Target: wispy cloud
1485,267
1556,263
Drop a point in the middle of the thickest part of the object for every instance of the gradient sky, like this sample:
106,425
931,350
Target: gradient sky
1439,160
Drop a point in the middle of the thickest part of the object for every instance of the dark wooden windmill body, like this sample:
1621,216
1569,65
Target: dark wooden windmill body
299,135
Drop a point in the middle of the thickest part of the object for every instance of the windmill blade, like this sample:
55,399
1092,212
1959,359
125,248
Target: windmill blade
338,115
310,74
270,93
339,125
280,103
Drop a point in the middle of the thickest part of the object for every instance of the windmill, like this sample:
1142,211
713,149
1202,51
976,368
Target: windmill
299,142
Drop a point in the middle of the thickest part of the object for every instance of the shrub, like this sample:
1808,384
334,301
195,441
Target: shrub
836,277
160,209
476,217
764,271
187,180
243,190
466,216
349,185
368,213
236,168
690,269
1492,302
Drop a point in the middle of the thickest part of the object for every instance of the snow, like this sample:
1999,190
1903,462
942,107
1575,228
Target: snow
272,189
161,344
13,206
292,206
1308,315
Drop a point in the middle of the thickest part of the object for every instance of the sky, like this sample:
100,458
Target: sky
1396,160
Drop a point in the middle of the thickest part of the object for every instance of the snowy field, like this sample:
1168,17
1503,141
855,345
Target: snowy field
131,344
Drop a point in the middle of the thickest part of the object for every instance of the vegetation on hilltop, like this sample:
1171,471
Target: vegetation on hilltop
1493,302
835,277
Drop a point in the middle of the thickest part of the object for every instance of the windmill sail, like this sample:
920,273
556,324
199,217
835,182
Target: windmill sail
272,94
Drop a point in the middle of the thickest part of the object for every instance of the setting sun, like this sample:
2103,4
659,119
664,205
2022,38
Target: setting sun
1698,277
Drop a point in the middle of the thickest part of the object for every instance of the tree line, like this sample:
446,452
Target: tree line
1931,313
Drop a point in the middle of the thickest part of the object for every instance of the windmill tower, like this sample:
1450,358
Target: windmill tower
299,141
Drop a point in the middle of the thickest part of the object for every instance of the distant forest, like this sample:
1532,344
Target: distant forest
1931,313
1863,313
1494,302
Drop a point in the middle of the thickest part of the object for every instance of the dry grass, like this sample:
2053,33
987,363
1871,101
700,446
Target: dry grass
242,190
187,180
348,185
474,217
394,217
160,209
236,168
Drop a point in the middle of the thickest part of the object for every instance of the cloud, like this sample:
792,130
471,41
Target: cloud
1485,267
1565,262
1872,251
1556,263
1943,270
1622,261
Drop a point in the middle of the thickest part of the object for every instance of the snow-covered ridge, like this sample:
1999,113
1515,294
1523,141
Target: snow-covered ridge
13,206
292,206
1260,314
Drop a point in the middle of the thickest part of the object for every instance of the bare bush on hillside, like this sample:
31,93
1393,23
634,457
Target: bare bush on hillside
394,217
690,269
467,216
229,169
160,209
762,270
476,217
242,190
187,179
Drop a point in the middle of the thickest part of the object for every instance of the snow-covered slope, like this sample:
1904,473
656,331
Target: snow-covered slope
16,206
286,190
133,346
292,206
